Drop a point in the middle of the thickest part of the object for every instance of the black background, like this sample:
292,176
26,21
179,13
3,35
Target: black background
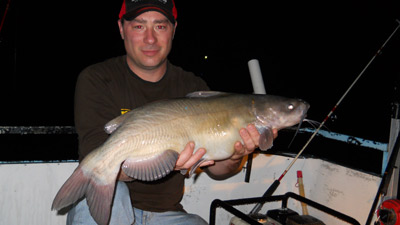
307,49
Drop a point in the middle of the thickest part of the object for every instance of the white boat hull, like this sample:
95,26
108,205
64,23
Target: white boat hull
27,190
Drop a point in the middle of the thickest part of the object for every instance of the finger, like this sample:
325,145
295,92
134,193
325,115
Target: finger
194,158
254,134
207,163
185,155
188,158
240,151
275,132
123,177
239,148
247,140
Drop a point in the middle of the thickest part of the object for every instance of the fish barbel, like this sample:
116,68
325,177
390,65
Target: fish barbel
145,142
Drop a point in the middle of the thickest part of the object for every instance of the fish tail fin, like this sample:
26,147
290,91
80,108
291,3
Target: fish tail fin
98,196
72,190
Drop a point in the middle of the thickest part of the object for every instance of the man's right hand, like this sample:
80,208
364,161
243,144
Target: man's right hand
187,159
123,177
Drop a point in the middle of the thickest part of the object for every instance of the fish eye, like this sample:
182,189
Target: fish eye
290,107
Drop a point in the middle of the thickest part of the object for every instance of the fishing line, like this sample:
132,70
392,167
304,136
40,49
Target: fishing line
276,183
340,100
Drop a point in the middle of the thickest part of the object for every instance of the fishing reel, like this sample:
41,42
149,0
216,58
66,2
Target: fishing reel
389,213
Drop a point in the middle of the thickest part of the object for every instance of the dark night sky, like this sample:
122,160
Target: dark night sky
307,49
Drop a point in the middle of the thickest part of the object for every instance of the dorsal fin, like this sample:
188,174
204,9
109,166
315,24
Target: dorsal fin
115,123
153,168
205,94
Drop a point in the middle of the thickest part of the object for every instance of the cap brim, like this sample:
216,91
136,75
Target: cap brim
135,13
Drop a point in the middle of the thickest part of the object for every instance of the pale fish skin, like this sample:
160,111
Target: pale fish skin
146,142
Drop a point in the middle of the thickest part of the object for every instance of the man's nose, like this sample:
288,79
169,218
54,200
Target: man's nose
150,37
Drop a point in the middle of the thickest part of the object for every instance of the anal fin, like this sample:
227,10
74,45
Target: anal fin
153,168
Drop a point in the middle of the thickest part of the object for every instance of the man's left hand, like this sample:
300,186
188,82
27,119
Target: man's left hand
251,139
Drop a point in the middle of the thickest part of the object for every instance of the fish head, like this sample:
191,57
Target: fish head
279,112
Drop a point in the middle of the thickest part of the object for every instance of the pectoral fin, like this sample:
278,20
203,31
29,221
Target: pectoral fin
195,166
266,139
153,168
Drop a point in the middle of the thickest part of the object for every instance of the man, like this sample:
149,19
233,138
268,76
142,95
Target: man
108,89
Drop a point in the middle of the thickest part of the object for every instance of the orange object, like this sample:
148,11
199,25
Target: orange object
301,191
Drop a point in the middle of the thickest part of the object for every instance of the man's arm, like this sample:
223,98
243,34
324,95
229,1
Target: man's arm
225,168
220,169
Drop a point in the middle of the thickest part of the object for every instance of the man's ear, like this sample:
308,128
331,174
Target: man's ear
121,29
176,24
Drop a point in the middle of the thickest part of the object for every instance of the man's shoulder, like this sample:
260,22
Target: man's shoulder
105,69
180,73
186,78
111,64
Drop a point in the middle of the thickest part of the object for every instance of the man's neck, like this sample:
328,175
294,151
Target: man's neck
149,74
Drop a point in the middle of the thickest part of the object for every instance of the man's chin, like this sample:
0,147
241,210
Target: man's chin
151,65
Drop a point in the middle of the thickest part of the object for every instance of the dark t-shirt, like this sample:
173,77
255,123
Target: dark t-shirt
109,89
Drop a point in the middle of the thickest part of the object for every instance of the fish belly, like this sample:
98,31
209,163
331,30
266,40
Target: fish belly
215,131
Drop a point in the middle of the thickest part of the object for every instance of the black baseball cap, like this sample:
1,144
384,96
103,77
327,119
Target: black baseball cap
133,8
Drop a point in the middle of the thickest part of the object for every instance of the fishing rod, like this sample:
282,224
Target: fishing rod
276,183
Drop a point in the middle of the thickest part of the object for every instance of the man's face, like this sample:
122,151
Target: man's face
147,39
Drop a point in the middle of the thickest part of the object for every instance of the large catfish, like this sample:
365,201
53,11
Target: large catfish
146,142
